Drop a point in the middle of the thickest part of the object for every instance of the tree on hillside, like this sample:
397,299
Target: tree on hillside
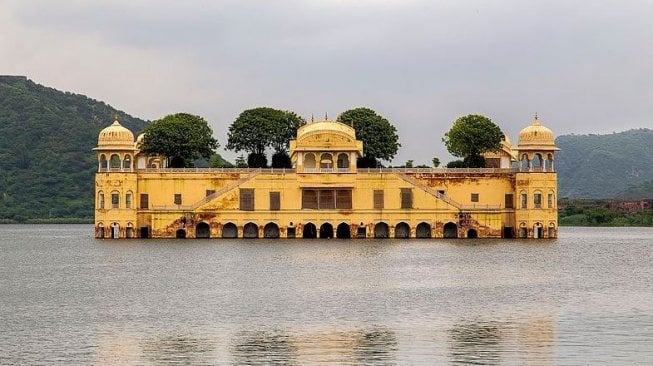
217,161
257,129
379,136
182,138
471,136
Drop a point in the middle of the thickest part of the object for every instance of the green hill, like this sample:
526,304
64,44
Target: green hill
638,191
46,137
603,166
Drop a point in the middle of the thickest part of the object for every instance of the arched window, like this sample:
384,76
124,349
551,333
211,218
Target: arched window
537,162
550,200
309,161
537,199
524,166
326,161
524,199
128,199
115,199
549,163
127,163
100,200
343,161
104,164
114,163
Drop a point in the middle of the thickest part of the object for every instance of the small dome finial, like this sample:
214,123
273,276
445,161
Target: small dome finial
326,116
536,121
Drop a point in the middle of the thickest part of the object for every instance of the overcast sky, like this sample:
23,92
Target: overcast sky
583,66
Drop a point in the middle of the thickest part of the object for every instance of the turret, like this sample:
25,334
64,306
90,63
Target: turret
115,183
536,183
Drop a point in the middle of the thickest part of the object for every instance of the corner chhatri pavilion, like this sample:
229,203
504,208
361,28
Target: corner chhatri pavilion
324,195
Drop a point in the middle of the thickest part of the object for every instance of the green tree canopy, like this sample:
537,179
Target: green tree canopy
379,136
259,128
181,137
472,135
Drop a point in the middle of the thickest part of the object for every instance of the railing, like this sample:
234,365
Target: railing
326,170
436,170
480,207
115,170
212,170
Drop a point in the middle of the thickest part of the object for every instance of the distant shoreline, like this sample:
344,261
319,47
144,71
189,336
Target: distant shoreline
59,220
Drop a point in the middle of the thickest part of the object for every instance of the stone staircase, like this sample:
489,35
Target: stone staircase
224,189
429,190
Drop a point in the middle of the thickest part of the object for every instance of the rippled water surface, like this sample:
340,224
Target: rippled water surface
67,298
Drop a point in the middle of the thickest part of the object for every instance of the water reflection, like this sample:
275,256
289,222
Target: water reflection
263,348
375,346
493,342
176,349
475,343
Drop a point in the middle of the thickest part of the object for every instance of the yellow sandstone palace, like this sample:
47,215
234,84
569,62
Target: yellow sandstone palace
325,195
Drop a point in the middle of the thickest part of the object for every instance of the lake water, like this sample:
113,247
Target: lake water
586,298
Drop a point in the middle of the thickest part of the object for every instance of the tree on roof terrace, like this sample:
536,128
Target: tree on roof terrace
182,138
379,136
260,128
470,137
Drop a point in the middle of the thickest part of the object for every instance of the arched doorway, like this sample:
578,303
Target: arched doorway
361,231
202,231
100,229
472,234
115,231
402,231
343,231
129,230
538,231
180,234
310,231
326,231
381,231
552,231
250,231
271,231
229,231
450,230
423,230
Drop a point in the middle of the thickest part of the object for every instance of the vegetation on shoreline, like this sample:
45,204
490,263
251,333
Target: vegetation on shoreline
596,213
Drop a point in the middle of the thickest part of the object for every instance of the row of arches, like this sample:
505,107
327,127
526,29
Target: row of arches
536,162
116,162
124,162
309,230
325,161
115,231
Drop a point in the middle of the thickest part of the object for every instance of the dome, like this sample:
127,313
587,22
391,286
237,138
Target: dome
536,136
116,136
326,126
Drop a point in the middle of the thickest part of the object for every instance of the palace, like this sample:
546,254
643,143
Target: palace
324,195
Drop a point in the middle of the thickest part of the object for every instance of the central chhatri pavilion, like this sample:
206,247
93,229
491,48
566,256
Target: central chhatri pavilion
325,195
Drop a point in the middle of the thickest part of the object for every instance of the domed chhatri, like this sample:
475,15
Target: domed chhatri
116,136
325,195
536,136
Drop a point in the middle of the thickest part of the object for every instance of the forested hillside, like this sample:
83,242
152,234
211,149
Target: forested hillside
638,191
46,141
603,166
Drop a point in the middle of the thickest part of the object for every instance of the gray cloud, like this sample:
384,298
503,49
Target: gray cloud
584,66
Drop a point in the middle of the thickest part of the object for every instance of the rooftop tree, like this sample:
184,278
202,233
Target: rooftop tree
379,136
182,138
257,129
470,137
